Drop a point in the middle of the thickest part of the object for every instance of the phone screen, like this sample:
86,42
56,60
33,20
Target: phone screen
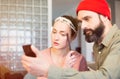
28,51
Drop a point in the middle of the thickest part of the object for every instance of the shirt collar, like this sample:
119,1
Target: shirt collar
110,35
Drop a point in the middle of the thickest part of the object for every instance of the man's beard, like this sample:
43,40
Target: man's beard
94,35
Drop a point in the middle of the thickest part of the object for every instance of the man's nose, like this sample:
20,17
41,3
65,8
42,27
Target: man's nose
83,25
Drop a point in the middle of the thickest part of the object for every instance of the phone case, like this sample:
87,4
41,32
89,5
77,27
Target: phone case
28,51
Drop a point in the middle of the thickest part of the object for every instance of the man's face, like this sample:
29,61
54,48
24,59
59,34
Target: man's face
94,35
92,26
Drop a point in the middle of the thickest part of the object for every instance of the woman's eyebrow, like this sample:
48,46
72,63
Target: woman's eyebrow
62,32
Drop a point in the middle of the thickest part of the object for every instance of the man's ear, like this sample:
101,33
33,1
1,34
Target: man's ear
103,18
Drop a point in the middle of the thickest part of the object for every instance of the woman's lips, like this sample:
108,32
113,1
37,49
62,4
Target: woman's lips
56,44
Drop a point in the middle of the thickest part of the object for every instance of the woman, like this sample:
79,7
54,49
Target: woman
63,32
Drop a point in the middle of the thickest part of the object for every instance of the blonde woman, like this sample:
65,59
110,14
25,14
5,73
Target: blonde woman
63,33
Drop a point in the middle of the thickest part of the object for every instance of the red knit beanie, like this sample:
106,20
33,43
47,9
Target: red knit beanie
99,6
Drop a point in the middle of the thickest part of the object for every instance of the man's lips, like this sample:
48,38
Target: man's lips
88,32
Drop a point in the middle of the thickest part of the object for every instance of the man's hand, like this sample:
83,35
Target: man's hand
38,65
71,59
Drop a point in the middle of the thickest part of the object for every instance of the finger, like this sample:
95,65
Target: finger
71,53
35,50
68,57
75,55
25,65
25,61
72,60
72,64
27,58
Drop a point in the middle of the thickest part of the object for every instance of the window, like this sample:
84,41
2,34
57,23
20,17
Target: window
22,22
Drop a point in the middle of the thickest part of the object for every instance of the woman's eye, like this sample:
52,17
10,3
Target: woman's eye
63,34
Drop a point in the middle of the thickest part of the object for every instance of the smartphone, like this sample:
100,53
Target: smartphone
28,51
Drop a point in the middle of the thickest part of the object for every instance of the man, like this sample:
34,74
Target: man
95,17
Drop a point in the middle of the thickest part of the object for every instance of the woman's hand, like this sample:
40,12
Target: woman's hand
38,65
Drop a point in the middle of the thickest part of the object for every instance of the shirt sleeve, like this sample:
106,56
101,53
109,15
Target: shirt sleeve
59,73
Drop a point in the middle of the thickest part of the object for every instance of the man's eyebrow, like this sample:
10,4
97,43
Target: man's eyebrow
86,17
79,20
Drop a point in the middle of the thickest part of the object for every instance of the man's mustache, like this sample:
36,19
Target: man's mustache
88,32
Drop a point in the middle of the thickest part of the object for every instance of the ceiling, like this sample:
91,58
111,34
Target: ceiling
61,6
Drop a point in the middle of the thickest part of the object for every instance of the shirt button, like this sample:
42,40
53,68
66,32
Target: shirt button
99,52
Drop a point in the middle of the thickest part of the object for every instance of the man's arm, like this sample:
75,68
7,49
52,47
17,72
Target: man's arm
109,70
69,73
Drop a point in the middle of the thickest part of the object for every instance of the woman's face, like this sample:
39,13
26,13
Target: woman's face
59,35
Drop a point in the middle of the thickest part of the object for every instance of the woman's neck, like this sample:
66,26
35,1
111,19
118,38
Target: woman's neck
58,56
59,52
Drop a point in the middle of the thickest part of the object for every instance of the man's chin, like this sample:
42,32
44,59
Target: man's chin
89,41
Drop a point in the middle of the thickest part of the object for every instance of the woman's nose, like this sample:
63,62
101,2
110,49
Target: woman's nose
56,36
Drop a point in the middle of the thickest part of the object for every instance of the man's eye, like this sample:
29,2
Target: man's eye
86,19
53,31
